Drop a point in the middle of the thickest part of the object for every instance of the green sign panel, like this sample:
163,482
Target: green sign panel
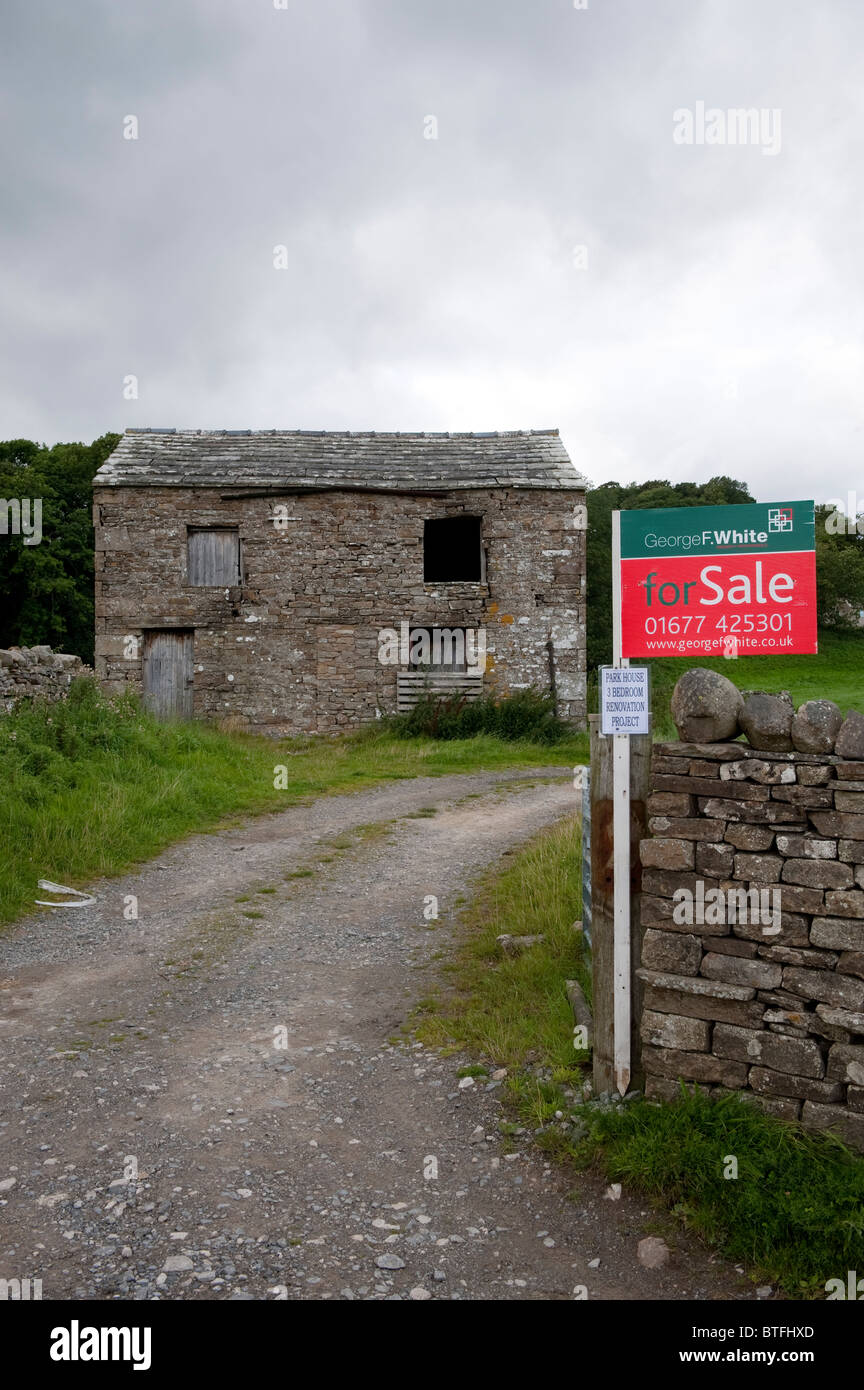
751,528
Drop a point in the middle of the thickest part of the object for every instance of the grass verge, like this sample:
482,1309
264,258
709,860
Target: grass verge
794,1214
513,1009
93,786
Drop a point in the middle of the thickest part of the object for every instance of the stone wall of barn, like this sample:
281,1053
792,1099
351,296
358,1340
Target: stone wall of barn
743,1006
294,648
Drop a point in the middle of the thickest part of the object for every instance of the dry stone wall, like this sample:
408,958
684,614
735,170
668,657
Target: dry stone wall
26,672
772,1005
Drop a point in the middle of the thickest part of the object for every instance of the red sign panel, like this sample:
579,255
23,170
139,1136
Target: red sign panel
719,605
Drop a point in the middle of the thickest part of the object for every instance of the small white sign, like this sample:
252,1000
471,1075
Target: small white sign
625,702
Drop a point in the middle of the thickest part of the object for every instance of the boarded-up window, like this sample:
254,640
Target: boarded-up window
213,556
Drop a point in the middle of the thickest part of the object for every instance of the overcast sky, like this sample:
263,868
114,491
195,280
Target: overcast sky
712,322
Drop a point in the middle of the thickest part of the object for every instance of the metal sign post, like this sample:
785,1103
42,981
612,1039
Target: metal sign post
586,859
621,845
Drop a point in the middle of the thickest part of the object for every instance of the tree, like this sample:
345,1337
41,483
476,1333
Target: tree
839,569
46,590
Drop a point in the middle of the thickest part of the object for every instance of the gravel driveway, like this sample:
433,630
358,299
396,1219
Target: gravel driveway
209,1102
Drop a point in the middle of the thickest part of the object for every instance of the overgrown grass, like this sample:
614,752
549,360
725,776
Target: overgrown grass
93,786
794,1214
836,673
509,1009
528,714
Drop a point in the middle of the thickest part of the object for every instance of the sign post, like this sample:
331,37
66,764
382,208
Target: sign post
621,844
586,859
692,581
624,711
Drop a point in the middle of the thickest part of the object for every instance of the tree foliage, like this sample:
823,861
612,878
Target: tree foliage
839,568
46,590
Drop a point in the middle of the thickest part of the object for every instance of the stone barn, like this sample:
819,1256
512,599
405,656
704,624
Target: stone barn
303,581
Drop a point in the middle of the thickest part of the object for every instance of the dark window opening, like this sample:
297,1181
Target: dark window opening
213,556
452,551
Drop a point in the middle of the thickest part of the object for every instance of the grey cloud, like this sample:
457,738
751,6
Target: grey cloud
432,283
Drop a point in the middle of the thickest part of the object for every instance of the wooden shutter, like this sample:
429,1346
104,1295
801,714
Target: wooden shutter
213,557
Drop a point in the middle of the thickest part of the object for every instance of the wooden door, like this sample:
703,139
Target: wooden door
167,675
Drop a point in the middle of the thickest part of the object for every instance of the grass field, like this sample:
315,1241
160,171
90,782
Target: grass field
93,786
836,673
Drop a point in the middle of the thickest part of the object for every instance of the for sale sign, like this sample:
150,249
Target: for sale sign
719,581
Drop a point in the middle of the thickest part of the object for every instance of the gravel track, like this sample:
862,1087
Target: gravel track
209,1103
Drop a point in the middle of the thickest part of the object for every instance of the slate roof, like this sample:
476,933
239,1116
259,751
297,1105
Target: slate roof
249,460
